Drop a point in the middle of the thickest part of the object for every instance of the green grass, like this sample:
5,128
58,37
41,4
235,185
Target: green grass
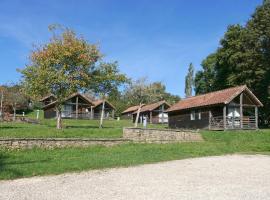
27,163
73,128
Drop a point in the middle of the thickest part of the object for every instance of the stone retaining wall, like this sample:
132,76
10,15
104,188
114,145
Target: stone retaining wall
161,135
17,143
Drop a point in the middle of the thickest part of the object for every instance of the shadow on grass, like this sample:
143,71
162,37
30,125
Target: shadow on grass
5,171
10,127
86,127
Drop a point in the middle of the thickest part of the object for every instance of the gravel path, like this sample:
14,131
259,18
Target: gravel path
224,177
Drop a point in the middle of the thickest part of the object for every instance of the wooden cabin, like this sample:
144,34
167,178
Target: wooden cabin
232,108
78,106
155,112
128,113
109,109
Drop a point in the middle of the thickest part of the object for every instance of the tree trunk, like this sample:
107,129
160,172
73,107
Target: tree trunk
14,113
137,116
102,114
1,105
59,118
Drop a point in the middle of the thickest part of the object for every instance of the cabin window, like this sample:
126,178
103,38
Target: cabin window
192,115
199,115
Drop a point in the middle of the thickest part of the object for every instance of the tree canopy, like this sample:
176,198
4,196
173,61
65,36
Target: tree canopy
242,58
65,65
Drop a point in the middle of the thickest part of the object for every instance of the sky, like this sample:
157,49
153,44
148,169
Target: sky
157,39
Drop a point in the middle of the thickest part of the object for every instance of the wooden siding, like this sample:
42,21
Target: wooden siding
181,119
49,113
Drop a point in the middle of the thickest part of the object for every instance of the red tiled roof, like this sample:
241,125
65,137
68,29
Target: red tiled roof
153,106
100,101
213,98
132,109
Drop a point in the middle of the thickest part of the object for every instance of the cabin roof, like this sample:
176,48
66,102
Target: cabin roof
46,97
132,109
100,101
71,96
213,98
151,107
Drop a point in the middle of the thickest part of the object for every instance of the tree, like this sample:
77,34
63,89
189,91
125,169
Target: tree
205,78
106,79
2,89
243,58
14,97
189,81
142,92
61,67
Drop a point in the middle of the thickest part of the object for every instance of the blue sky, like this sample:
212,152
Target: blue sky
149,38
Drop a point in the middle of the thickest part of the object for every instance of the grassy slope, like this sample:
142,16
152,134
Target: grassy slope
25,163
73,128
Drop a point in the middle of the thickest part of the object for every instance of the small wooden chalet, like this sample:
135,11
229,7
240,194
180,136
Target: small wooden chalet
78,106
109,109
128,113
155,112
232,108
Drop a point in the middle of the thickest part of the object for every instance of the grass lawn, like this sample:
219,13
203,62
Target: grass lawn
73,128
26,163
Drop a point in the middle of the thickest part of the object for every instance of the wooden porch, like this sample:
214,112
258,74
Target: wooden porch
235,116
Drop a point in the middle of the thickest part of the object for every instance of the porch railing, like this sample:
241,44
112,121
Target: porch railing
247,122
84,115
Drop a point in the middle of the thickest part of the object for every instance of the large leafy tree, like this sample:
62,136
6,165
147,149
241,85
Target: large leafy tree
205,78
243,58
12,96
61,67
106,80
141,91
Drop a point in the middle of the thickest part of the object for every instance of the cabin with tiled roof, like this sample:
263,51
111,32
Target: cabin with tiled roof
232,108
154,113
128,113
78,106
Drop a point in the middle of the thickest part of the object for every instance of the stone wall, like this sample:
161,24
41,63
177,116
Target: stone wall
129,135
161,135
17,143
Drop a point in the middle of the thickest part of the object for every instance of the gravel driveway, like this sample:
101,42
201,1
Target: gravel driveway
222,177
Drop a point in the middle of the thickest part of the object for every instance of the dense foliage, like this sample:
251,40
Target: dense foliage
140,91
65,65
189,81
242,58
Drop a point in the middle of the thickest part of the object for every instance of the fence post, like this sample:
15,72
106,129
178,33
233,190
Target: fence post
256,117
224,118
210,118
241,110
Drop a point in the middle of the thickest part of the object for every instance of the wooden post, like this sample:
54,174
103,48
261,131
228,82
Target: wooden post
210,116
233,116
102,114
224,118
113,114
91,113
256,117
151,117
241,110
77,102
138,115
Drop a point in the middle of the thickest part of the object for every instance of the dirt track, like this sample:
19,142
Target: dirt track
224,177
